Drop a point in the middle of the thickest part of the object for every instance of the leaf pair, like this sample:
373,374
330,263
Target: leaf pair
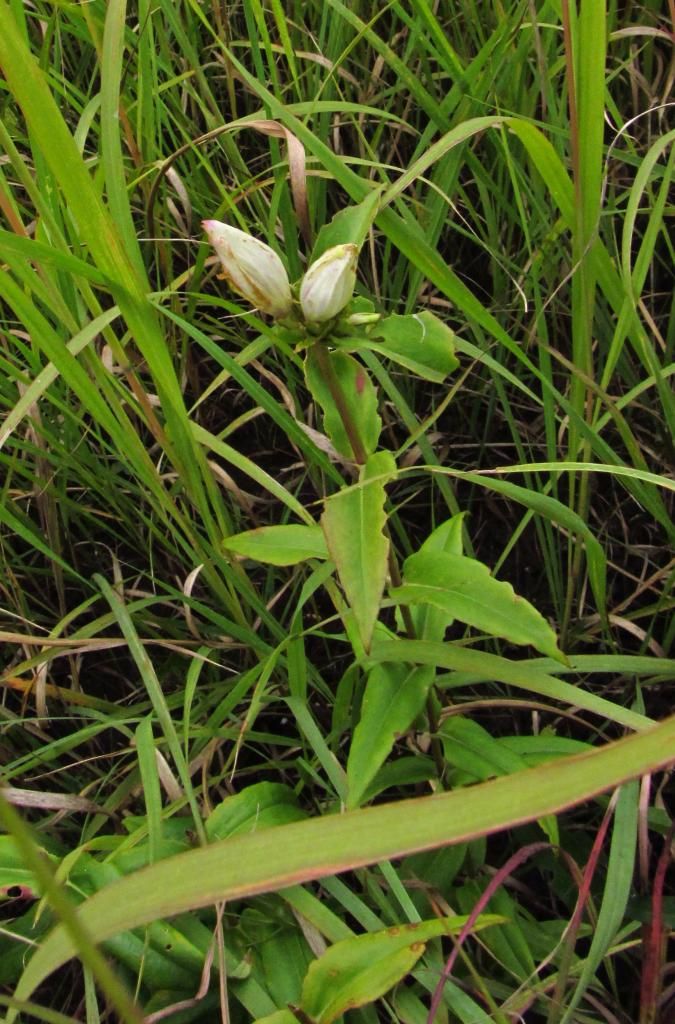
439,582
351,534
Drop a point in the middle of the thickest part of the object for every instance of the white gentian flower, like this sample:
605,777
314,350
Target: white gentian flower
329,283
251,268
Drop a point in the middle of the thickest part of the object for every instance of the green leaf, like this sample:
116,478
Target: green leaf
420,342
618,884
349,225
404,771
554,510
279,545
545,746
446,537
13,870
394,696
381,466
431,623
281,953
353,524
280,1017
464,588
359,970
257,807
152,793
314,736
474,666
48,256
473,750
357,392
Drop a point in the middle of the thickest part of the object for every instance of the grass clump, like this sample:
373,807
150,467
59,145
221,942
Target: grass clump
336,641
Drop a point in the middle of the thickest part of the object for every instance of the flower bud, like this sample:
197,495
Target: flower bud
329,283
251,268
361,319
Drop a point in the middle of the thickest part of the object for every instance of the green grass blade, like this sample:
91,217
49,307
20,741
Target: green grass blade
513,673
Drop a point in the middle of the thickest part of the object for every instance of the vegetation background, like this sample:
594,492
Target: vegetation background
180,728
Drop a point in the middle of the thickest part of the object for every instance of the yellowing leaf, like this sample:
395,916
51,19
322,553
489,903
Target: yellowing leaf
359,970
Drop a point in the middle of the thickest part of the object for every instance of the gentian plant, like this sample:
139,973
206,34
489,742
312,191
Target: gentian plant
437,585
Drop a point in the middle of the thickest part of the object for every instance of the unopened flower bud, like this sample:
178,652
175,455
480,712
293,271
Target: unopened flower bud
329,283
361,319
251,268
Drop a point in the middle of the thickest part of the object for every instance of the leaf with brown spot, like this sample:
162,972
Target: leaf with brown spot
359,970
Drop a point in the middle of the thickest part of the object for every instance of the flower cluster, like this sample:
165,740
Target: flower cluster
256,272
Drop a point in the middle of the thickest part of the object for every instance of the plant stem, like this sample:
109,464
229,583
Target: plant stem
360,457
336,393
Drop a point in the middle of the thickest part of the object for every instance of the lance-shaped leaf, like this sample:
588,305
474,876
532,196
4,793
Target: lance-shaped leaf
464,588
394,696
347,391
279,545
431,622
353,524
474,752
